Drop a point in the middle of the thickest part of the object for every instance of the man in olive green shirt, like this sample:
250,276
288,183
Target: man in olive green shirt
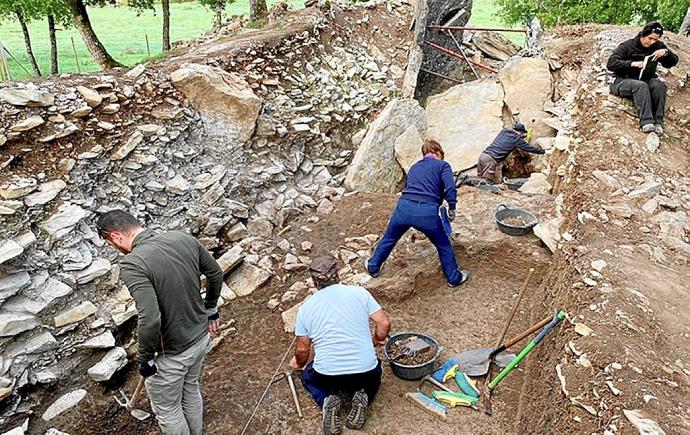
162,272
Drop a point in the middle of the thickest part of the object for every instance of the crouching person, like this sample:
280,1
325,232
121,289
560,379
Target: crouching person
336,321
162,272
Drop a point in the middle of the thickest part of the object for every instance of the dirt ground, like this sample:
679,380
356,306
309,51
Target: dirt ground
412,290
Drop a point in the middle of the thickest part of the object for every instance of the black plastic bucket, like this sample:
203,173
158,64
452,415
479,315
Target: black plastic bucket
414,372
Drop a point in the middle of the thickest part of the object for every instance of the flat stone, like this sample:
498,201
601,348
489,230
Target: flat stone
292,263
167,114
36,344
114,360
75,314
120,318
325,206
177,185
46,193
12,324
27,97
536,185
9,249
105,340
132,142
289,317
36,300
652,142
91,97
644,424
148,129
97,269
107,126
110,109
63,221
10,207
549,233
82,112
236,232
494,45
247,278
64,403
261,227
136,71
606,180
208,179
53,431
231,259
621,210
18,187
226,293
646,190
27,124
45,377
10,285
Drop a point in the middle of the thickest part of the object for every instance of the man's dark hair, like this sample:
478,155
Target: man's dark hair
116,220
653,27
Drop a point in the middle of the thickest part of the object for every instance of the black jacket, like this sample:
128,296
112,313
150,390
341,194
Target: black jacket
631,51
506,141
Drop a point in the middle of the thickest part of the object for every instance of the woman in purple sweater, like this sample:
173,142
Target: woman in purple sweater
429,182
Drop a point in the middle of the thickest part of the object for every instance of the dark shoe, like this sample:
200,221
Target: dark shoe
366,267
464,276
358,413
331,419
648,128
659,129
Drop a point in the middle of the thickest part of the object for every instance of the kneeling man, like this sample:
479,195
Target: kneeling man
336,321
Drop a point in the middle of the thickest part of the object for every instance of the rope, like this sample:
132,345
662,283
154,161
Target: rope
270,381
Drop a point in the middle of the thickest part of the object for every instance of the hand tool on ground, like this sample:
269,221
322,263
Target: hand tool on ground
137,413
454,399
467,385
291,383
433,382
527,349
412,349
475,362
270,382
441,373
487,390
428,404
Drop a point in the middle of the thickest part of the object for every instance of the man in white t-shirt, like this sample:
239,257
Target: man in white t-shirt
336,321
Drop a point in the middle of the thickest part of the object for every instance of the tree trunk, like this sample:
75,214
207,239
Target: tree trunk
257,9
98,52
165,4
27,43
686,23
218,19
53,45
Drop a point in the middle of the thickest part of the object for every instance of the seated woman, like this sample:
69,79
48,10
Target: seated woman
627,61
428,183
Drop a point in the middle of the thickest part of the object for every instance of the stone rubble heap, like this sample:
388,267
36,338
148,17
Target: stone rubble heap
147,143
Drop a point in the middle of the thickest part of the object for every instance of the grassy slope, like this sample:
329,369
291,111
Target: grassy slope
123,33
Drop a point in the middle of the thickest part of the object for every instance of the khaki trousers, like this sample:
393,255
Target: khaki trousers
174,390
486,168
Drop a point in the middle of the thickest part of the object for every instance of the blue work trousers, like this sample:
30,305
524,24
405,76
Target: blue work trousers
425,218
321,386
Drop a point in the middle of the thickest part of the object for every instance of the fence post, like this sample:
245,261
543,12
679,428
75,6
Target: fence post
4,66
76,58
148,47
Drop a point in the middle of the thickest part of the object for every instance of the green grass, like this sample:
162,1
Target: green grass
485,14
121,31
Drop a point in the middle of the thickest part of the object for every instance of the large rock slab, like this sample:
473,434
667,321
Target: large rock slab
75,314
114,360
63,221
27,97
408,148
246,279
64,403
35,300
97,269
10,285
12,324
227,104
17,187
537,184
92,98
28,123
105,340
374,167
9,249
36,344
231,259
46,193
527,84
465,119
495,45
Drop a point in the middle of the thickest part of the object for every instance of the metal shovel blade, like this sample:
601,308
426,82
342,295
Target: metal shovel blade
475,362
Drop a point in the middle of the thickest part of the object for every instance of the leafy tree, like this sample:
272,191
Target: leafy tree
217,6
55,11
552,12
80,18
24,11
165,6
686,23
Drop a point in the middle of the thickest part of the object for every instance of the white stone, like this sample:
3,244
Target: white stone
17,187
9,249
644,424
12,324
537,184
75,314
549,233
53,431
289,317
231,258
408,148
36,344
652,142
97,269
114,360
246,279
606,180
598,265
325,206
35,301
105,340
27,97
648,189
10,285
28,124
136,71
237,232
130,144
46,193
177,185
110,109
64,403
120,318
91,97
63,221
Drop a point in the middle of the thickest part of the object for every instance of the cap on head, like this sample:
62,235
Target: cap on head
520,127
324,268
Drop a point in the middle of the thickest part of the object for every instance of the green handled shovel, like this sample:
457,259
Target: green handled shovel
527,349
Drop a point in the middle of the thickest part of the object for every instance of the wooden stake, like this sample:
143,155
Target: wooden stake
474,29
148,48
4,49
443,76
451,53
4,70
76,58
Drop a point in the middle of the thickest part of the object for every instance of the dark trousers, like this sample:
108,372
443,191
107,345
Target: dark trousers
649,98
425,218
321,386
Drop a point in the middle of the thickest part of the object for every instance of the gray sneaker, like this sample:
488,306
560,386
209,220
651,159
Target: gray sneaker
331,419
659,129
366,267
464,276
648,128
358,413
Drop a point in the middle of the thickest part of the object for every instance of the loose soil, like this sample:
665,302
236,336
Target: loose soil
515,221
401,354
